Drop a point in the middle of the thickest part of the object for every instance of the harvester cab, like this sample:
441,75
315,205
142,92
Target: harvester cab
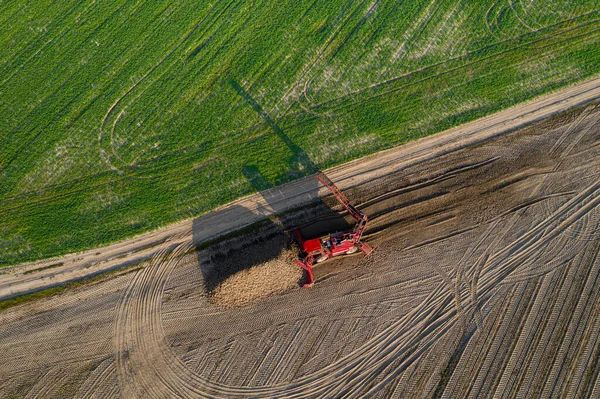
336,244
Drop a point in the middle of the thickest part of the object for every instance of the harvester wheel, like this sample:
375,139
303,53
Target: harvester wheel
352,250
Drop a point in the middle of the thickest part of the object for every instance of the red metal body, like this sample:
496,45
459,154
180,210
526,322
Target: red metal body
321,249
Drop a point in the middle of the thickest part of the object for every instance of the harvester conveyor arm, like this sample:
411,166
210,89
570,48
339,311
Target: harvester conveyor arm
339,195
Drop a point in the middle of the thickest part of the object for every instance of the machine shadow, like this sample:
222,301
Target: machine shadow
258,244
267,239
300,163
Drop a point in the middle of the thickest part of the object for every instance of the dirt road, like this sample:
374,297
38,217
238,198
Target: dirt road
484,284
39,275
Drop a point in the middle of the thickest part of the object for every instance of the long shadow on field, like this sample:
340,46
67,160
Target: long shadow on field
263,242
300,163
259,243
266,239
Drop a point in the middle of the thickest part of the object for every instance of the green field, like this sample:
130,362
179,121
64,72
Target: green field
117,117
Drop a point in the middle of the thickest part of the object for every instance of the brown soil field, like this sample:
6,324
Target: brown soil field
484,283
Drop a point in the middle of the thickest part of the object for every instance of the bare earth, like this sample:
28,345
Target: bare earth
484,283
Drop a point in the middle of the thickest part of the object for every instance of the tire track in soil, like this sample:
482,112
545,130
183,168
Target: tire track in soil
511,225
523,346
95,383
243,393
362,366
572,327
48,384
590,344
147,363
563,154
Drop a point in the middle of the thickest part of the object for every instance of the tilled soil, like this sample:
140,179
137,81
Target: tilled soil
484,283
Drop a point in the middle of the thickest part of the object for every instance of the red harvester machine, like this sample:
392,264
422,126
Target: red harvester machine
321,249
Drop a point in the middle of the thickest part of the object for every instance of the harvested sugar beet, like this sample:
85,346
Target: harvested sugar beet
259,281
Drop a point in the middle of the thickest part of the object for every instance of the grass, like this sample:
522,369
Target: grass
123,116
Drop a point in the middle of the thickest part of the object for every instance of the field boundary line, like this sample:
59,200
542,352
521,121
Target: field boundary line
250,209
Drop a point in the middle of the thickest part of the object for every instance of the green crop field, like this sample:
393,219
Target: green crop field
118,116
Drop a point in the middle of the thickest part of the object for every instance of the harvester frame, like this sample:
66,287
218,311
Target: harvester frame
338,243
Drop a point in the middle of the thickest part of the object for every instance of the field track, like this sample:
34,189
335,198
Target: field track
23,279
121,118
484,283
